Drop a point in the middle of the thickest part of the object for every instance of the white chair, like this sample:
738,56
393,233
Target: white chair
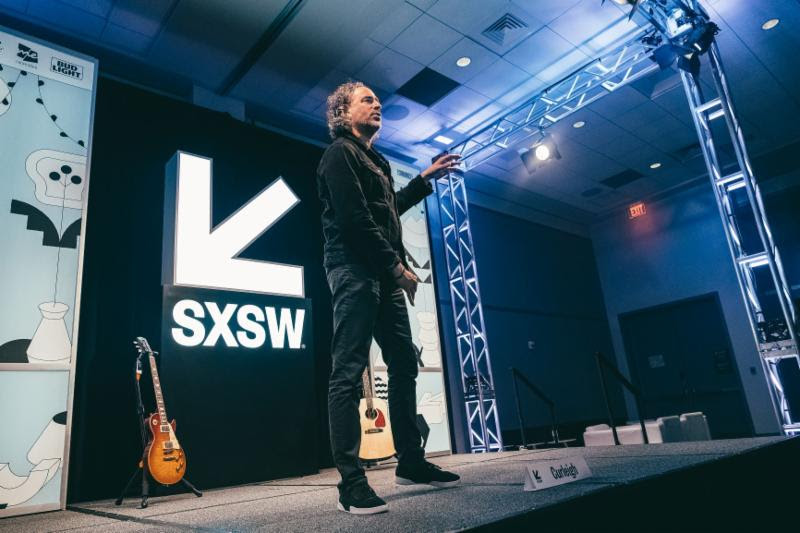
694,426
664,429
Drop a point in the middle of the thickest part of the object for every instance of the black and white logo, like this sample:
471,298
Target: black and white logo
64,67
27,54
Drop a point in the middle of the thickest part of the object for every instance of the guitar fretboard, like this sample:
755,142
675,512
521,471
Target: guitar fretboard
366,384
162,411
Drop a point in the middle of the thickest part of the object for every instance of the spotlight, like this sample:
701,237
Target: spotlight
701,37
665,55
579,124
463,61
686,50
542,151
655,165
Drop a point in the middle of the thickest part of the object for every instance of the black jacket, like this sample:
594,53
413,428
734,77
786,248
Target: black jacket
360,209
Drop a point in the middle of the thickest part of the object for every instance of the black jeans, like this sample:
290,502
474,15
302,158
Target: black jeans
364,307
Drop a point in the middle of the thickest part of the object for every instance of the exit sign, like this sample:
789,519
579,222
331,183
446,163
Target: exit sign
636,210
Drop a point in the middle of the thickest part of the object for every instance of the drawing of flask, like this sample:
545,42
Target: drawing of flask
50,343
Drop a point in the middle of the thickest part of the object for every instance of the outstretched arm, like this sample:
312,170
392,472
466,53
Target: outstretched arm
420,187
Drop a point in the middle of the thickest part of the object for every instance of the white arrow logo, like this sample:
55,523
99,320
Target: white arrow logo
206,256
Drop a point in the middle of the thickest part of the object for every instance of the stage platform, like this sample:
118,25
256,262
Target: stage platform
682,486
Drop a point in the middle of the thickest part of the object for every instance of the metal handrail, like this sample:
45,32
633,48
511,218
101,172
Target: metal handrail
637,395
515,375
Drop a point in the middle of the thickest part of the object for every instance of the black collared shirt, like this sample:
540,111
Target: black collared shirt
360,209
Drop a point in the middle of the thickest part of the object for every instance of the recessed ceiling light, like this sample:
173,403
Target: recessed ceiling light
771,23
441,139
463,61
579,124
655,165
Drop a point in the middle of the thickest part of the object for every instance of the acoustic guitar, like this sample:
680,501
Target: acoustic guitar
376,433
166,460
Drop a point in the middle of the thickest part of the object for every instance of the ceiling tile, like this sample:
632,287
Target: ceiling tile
618,102
205,44
425,40
479,118
95,7
460,103
563,66
399,112
67,18
545,10
423,127
639,116
539,51
142,17
125,39
17,5
653,129
480,58
524,91
362,54
392,26
389,70
596,131
468,16
588,23
497,79
422,4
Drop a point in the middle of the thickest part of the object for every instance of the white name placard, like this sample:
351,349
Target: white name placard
545,474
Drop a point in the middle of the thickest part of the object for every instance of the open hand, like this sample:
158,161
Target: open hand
442,165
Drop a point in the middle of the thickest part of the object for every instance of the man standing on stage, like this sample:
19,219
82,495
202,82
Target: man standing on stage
367,273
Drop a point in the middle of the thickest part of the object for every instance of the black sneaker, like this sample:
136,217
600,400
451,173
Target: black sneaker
361,499
425,473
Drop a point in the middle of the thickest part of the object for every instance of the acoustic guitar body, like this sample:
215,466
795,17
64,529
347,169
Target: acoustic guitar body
376,433
166,461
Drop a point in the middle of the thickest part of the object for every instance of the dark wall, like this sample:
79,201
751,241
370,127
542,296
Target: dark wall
678,250
537,284
135,134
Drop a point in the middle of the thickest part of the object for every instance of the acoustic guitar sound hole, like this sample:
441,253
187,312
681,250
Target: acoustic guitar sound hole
371,414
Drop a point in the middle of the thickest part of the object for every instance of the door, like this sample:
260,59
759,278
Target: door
681,359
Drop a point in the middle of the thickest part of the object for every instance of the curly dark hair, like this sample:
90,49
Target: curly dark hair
338,103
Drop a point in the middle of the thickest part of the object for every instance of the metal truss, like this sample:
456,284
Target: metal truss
757,261
758,265
473,350
583,86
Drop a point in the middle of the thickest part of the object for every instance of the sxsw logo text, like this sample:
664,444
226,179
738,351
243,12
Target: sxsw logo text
27,54
61,66
236,325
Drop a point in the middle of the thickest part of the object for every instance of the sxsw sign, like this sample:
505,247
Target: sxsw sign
211,296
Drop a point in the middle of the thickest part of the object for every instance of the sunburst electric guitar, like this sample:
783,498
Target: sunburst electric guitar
166,460
376,433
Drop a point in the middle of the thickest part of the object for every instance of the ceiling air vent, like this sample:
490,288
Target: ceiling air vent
502,27
622,178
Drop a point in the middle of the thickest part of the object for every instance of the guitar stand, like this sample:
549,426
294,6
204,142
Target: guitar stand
142,467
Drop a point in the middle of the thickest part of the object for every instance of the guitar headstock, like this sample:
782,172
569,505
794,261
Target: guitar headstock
142,346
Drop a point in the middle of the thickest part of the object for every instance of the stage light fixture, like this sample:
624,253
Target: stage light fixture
441,139
463,61
655,165
543,150
579,124
771,23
